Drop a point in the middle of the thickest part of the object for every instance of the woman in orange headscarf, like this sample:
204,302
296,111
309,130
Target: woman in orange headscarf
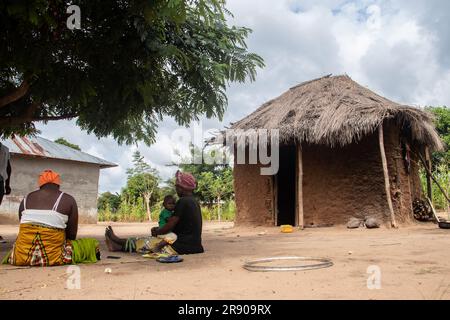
48,228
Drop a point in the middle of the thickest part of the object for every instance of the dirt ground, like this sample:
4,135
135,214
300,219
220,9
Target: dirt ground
414,263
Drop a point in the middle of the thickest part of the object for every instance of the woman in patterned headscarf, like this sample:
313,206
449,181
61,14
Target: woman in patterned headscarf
186,223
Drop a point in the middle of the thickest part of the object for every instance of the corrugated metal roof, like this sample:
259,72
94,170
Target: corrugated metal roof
40,147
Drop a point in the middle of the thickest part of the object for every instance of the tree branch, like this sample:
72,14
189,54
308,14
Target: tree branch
15,95
61,117
28,116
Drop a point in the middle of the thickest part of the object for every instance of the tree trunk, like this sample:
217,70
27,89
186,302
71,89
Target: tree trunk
219,209
18,93
428,165
147,206
299,217
446,188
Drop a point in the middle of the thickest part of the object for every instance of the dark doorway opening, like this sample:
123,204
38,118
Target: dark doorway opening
286,186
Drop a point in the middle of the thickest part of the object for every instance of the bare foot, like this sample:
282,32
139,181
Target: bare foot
112,246
112,235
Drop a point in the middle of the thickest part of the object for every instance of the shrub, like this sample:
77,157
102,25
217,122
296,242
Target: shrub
442,175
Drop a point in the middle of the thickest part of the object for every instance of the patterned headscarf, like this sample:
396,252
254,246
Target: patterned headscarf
185,180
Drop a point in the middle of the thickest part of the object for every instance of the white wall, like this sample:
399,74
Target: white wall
80,180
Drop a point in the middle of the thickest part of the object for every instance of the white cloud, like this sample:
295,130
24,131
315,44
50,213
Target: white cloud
397,48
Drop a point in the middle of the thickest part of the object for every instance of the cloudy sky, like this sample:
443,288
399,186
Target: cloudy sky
398,48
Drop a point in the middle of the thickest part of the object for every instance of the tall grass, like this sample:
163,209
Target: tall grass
127,212
211,213
135,212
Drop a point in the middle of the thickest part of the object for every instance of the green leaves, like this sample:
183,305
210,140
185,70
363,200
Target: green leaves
142,179
213,180
133,62
442,123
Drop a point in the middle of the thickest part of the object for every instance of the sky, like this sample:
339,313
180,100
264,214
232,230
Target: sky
399,49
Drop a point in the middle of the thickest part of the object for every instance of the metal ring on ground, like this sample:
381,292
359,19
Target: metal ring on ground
253,264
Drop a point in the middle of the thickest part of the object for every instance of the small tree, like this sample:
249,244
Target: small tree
108,199
67,144
207,174
218,187
442,123
441,159
142,182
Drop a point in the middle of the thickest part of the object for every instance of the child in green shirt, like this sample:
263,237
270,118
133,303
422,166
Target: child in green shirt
166,213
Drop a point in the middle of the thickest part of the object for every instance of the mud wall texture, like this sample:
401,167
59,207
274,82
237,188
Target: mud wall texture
404,183
339,183
254,195
346,182
78,179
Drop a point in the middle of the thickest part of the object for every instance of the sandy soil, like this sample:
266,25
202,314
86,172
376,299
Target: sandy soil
414,264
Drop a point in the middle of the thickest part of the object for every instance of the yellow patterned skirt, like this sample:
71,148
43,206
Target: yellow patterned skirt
39,246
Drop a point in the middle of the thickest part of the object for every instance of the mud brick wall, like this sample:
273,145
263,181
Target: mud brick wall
338,183
342,182
254,195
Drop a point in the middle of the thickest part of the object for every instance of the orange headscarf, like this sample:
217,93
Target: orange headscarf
49,176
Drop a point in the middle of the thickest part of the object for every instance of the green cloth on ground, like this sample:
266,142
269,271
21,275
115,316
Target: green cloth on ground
6,258
84,250
164,216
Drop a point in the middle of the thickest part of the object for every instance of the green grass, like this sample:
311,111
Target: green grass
137,213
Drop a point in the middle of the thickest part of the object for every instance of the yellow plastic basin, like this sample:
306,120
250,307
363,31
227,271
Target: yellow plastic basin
286,228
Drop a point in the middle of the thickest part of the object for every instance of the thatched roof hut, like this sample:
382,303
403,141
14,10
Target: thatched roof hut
336,111
342,148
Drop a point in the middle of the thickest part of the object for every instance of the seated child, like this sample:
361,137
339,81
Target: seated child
166,213
151,244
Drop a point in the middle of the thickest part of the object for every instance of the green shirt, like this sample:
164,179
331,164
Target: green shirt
164,216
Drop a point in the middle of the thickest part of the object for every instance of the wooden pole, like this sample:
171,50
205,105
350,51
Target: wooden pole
276,199
299,187
427,164
432,210
386,175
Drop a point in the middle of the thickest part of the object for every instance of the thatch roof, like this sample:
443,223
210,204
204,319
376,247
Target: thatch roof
336,111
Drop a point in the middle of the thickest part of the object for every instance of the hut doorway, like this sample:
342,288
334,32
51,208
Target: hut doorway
285,184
